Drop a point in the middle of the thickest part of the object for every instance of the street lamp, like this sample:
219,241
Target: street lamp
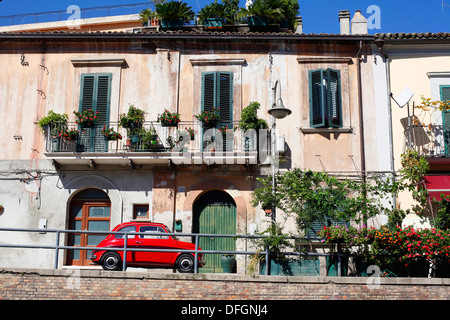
278,111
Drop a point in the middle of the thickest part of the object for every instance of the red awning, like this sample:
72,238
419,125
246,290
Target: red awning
438,185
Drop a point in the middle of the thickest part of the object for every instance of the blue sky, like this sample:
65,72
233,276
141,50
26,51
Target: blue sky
319,16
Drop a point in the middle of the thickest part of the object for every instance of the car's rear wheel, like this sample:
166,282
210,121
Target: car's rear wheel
185,263
112,262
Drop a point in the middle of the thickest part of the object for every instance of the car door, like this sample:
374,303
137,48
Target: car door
152,241
118,241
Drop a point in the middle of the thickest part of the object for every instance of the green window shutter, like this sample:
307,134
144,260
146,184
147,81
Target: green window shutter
208,91
316,98
334,98
95,94
225,96
217,92
314,229
103,97
87,92
445,96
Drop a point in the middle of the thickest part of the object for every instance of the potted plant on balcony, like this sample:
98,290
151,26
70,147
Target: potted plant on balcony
215,15
169,119
53,121
69,134
250,121
209,119
133,119
110,134
145,16
261,13
191,133
87,118
149,139
173,14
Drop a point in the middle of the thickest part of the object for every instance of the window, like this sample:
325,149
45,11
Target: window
152,229
95,94
217,93
318,225
325,98
140,211
445,96
126,229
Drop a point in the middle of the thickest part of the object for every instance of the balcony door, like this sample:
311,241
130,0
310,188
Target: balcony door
217,93
90,210
95,94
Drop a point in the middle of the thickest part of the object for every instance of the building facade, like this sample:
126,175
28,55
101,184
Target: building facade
158,172
418,64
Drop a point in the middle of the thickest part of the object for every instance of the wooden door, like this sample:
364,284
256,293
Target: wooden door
87,215
215,213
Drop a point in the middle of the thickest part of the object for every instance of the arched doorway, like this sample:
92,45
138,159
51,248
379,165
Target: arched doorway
90,209
215,213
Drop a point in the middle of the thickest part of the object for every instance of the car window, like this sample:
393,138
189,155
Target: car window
152,229
126,229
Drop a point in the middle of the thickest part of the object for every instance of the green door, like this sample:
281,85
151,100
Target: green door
215,213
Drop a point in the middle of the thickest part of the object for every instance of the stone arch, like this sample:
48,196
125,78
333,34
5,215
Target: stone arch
89,181
203,187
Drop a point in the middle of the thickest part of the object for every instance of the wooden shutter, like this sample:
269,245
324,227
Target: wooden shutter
208,91
217,92
225,103
87,92
316,98
95,94
445,96
334,98
225,97
103,97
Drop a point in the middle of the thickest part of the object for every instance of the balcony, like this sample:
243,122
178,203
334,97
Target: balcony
429,141
187,143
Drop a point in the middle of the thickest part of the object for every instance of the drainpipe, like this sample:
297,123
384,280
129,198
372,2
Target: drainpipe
361,121
380,43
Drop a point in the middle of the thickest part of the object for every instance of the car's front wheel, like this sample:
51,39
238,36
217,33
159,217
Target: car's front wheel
112,262
185,263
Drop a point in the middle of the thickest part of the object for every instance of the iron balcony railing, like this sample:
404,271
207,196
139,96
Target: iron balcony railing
429,141
153,137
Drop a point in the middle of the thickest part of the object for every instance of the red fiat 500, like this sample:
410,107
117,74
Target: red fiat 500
112,260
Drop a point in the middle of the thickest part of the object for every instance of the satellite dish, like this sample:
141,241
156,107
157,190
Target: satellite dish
403,98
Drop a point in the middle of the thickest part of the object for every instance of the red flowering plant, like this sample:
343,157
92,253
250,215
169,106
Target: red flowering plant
111,134
406,245
209,118
133,119
355,239
87,118
425,244
69,135
169,119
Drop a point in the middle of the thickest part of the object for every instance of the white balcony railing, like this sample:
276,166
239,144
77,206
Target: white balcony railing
429,141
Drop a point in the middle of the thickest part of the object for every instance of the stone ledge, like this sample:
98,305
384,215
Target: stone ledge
89,273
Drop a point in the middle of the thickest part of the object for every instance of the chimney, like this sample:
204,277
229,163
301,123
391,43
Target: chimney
299,28
344,21
359,23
